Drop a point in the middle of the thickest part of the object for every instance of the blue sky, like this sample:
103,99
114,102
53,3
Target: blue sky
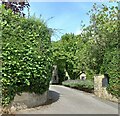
67,16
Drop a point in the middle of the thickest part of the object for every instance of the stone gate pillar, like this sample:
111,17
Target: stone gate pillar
100,84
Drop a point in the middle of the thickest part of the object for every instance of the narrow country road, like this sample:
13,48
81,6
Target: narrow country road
64,100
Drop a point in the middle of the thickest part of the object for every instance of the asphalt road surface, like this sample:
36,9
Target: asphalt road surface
64,100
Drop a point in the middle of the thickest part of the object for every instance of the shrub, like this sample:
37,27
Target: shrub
85,85
111,66
26,56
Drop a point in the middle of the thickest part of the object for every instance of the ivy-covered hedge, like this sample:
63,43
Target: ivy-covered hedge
111,66
26,55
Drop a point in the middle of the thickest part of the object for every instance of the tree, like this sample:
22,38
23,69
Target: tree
17,7
105,28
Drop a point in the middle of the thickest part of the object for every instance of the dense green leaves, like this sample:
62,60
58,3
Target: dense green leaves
111,66
26,55
64,55
107,40
85,85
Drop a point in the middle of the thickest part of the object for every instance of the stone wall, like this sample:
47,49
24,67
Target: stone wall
29,100
100,88
26,100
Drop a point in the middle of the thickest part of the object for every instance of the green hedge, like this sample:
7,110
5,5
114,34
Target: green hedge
26,55
111,66
85,85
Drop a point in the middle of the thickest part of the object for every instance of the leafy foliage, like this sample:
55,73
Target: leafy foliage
107,40
26,56
71,53
64,55
85,85
111,66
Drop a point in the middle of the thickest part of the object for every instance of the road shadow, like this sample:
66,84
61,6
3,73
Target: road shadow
53,96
